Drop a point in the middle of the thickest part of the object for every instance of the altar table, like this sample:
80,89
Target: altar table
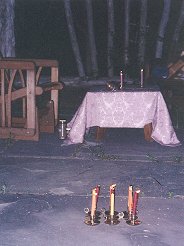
124,109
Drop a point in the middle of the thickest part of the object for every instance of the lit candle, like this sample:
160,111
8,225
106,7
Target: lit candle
94,202
142,77
130,198
112,199
135,201
121,79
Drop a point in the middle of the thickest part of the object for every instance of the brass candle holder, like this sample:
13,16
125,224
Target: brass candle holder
93,216
128,213
111,219
132,218
92,220
111,216
134,221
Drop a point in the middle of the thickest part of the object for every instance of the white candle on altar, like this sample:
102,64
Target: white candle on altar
142,77
121,79
112,199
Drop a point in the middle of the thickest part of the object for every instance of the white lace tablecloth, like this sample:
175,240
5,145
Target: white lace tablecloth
124,110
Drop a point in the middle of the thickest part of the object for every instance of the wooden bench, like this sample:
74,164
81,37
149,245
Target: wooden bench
28,74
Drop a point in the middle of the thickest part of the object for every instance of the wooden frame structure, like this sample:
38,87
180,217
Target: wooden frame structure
28,72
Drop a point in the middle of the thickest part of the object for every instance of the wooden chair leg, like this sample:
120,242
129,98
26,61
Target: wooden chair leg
100,133
147,132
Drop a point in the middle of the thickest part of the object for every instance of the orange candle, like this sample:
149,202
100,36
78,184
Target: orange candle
98,192
130,198
112,199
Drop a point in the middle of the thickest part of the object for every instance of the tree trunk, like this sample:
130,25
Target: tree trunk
91,38
162,28
126,31
110,40
7,36
73,37
175,39
142,32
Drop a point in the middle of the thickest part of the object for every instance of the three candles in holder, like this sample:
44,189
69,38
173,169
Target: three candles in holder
132,200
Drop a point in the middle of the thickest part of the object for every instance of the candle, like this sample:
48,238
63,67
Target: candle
94,202
121,79
98,192
135,201
112,199
142,77
130,198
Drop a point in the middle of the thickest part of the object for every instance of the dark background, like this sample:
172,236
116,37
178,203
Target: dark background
41,31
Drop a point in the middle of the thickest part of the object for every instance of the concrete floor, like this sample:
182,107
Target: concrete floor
46,185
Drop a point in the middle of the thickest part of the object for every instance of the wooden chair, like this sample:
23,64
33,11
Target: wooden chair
23,84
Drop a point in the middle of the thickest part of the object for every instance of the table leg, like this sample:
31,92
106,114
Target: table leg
100,132
147,132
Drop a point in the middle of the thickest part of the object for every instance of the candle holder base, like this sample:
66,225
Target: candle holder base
133,222
128,216
112,219
92,221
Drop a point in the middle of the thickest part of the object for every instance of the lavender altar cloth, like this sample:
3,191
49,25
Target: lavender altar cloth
124,109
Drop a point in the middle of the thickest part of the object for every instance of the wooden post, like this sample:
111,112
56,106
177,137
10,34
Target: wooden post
54,93
31,104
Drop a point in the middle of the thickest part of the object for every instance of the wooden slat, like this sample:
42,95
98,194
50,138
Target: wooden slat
51,86
38,62
31,101
7,132
54,93
3,112
22,92
16,64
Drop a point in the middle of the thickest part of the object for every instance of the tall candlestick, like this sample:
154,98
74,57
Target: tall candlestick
135,201
142,77
130,198
112,199
93,202
121,80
